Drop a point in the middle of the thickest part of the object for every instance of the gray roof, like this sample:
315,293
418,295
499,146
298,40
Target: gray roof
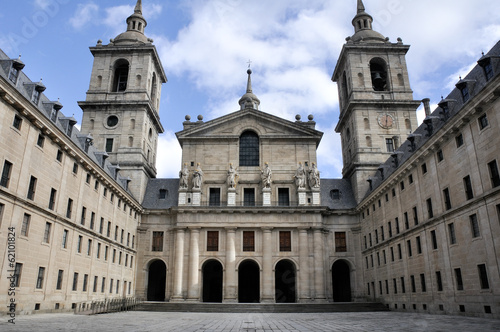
346,200
25,86
455,104
152,196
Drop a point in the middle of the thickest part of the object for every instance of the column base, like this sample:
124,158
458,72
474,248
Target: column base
230,301
193,300
177,299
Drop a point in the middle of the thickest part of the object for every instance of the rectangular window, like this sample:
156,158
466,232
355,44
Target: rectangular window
109,145
75,281
87,179
387,286
415,216
396,222
96,278
340,242
389,226
392,254
84,215
483,121
429,208
106,253
26,225
108,231
98,251
394,282
249,197
248,241
451,232
79,244
459,140
422,283
122,236
440,156
483,276
495,176
285,241
469,194
413,285
439,281
403,288
128,239
69,208
116,233
212,241
92,220
458,279
382,234
40,141
32,188
402,185
89,247
4,181
393,192
65,239
378,258
120,258
157,241
447,199
17,274
114,256
474,225
434,240
101,225
52,200
18,121
389,142
409,248
85,281
105,192
1,212
410,178
407,221
214,199
60,275
376,236
419,245
385,257
400,252
46,234
75,168
117,286
424,168
39,279
59,155
283,197
13,74
96,185
163,194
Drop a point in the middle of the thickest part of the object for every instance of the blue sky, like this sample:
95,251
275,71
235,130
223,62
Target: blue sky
205,46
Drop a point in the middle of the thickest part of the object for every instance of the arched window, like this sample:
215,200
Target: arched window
378,69
249,149
121,76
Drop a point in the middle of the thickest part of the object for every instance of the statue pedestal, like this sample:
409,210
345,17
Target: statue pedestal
182,197
266,197
231,197
316,196
196,197
302,196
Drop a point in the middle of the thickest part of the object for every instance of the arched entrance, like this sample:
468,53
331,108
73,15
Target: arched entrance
341,281
284,282
248,282
157,276
212,281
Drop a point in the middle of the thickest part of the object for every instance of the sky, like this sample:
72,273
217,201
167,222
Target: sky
206,45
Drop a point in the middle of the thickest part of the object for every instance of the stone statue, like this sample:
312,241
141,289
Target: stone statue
184,176
314,181
266,176
232,176
300,177
197,177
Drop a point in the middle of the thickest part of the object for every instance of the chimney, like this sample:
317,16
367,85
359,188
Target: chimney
427,106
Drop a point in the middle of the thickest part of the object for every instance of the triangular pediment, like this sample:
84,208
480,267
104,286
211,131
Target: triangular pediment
234,124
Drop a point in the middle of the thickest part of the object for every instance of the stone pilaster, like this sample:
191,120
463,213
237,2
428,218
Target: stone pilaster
319,273
267,268
179,265
230,295
304,286
194,261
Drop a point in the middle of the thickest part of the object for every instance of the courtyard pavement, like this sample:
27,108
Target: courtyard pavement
249,322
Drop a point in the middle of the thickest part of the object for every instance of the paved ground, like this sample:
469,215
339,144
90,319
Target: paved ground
196,322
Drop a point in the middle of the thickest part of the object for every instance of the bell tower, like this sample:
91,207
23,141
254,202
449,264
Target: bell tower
121,111
377,110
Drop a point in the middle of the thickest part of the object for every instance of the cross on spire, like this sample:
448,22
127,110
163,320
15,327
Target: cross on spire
249,63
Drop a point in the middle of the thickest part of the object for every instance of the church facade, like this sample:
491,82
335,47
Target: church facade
413,223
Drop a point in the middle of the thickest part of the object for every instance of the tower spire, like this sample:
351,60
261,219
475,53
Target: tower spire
361,7
249,100
249,83
135,28
363,30
138,7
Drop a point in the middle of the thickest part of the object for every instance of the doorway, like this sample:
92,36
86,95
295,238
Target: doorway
157,276
249,282
341,281
212,281
284,282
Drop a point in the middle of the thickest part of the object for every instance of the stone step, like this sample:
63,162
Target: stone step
261,308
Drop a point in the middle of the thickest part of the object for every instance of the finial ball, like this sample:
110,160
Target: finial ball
249,71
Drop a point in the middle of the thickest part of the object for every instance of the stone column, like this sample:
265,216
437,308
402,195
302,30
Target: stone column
304,286
267,268
319,276
194,261
230,277
179,265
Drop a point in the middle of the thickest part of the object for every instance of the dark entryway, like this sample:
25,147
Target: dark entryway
284,282
248,282
156,281
341,282
212,281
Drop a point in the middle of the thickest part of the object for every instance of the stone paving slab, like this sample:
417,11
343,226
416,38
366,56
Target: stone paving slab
250,322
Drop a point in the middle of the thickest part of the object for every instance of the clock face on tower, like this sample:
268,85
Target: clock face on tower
386,120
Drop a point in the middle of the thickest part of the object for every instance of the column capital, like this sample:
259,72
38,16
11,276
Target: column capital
303,229
180,230
194,229
267,229
231,229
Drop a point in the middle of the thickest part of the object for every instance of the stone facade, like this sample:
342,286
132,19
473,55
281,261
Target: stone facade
414,223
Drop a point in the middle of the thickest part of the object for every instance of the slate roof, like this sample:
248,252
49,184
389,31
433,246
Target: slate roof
152,196
455,103
25,86
346,200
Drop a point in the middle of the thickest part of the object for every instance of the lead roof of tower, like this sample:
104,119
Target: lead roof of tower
363,31
249,96
135,32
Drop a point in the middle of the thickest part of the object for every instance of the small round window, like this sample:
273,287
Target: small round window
112,121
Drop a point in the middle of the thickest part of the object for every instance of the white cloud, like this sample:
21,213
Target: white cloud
116,16
83,15
169,159
43,4
330,153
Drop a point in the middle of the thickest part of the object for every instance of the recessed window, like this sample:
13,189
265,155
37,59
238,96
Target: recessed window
422,283
60,275
474,225
440,156
389,142
335,194
434,240
64,242
340,242
451,233
447,199
75,281
378,70
249,197
285,241
487,66
402,185
459,140
419,245
40,141
17,122
59,155
32,188
458,279
469,194
424,168
430,212
84,215
36,96
248,241
46,234
121,76
85,282
439,281
409,248
14,73
40,277
7,167
112,121
410,178
249,149
464,90
69,208
109,145
25,227
483,121
483,276
212,241
163,194
283,197
214,198
494,174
